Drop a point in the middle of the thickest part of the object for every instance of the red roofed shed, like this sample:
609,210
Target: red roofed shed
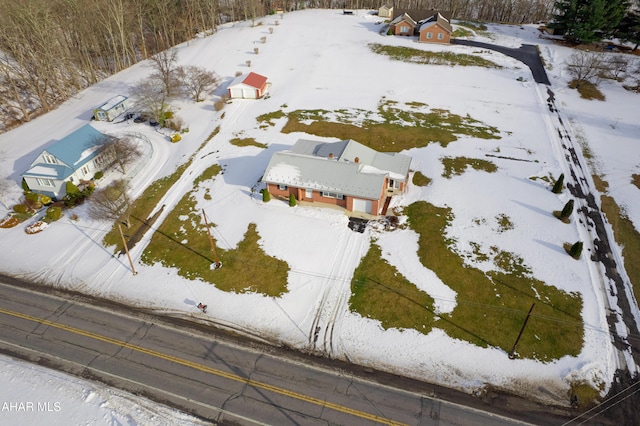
249,86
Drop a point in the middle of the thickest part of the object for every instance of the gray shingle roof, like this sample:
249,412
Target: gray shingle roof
307,165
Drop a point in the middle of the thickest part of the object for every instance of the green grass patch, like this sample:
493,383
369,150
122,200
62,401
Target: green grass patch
455,166
587,90
635,180
269,117
461,32
504,223
547,179
491,307
213,134
181,242
246,142
587,395
211,172
477,26
144,205
627,237
416,56
379,292
390,128
601,184
147,202
420,180
415,104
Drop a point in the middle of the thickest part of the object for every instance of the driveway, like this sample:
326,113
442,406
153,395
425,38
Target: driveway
527,54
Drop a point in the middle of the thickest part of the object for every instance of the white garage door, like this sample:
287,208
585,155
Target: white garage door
236,92
362,205
249,93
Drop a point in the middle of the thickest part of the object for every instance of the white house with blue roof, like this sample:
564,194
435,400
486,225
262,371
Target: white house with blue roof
345,174
74,158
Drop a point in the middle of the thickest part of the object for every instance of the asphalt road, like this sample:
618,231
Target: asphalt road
527,54
215,379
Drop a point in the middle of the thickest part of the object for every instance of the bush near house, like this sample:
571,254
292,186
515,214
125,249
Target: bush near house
53,213
292,200
266,197
20,208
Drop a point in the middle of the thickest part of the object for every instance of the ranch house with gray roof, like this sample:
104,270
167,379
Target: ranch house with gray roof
345,174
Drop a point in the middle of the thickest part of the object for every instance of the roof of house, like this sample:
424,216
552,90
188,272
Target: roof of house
252,79
420,14
437,19
112,102
74,150
403,17
345,167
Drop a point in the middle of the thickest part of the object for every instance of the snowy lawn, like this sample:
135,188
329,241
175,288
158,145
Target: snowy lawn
493,246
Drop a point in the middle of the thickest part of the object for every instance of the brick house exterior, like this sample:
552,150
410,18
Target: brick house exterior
429,25
435,31
345,174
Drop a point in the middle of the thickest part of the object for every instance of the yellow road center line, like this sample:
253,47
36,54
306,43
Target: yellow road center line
204,368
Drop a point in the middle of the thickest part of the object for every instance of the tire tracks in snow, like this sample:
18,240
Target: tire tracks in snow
334,300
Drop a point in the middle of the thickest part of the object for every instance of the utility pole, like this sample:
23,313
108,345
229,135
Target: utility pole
126,249
512,354
217,264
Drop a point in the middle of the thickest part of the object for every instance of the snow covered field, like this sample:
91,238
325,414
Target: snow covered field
319,59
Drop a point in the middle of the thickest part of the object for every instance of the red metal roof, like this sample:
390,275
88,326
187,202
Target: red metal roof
255,80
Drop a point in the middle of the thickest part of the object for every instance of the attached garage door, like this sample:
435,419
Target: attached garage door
362,205
249,93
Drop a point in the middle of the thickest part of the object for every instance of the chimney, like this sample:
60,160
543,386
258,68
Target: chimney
356,160
331,156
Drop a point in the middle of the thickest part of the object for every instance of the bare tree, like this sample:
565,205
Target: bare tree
197,80
111,203
150,97
166,71
615,66
125,152
634,78
586,67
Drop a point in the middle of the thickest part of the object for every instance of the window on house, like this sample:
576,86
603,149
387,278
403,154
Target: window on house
404,29
440,36
333,195
49,159
85,170
44,182
429,35
282,187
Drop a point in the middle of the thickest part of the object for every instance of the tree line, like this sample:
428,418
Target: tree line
588,21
